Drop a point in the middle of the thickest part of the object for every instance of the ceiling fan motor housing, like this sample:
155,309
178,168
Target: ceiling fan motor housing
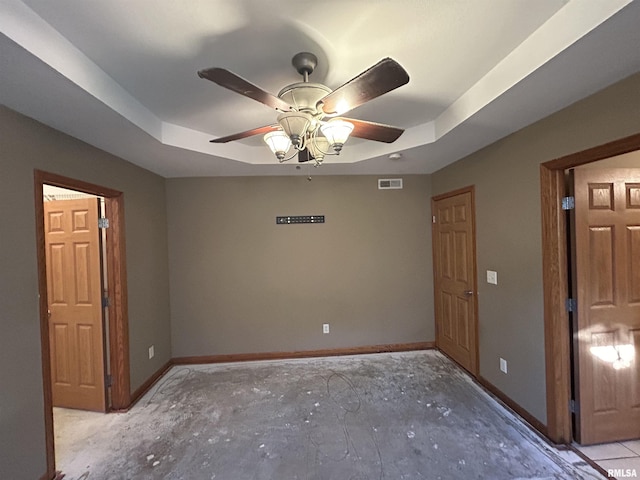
304,96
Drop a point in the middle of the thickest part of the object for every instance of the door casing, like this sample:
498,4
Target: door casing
554,279
117,310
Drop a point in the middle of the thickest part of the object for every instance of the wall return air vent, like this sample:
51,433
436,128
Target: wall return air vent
389,184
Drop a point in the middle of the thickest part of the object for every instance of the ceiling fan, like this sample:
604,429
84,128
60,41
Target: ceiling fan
309,120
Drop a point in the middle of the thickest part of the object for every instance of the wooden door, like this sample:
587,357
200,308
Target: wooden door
74,291
455,277
606,225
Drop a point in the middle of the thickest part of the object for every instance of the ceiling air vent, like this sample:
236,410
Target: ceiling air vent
389,183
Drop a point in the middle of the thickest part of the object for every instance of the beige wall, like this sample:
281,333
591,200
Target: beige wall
628,160
240,283
26,145
507,181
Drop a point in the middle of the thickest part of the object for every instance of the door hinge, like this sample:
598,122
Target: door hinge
433,219
574,406
571,305
108,381
568,203
103,222
106,302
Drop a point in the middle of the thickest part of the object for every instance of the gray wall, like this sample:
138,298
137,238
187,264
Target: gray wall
240,283
26,145
507,180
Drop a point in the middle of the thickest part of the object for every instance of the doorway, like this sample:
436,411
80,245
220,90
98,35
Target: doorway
116,306
555,281
454,261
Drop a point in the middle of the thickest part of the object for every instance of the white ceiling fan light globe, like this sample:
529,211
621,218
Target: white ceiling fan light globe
337,132
295,125
319,147
279,143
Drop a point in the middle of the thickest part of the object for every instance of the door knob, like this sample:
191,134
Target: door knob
468,293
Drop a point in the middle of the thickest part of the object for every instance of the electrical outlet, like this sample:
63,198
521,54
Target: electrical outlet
492,277
503,365
325,328
151,352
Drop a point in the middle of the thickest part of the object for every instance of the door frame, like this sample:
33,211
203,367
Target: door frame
555,280
117,309
459,191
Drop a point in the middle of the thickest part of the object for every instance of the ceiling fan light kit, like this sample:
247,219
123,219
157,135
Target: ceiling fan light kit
303,107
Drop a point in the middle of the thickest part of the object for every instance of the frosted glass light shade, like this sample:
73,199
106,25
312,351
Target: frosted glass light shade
318,147
337,132
278,142
295,124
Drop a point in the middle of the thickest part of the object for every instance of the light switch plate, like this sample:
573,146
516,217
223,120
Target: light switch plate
325,328
503,365
492,277
151,352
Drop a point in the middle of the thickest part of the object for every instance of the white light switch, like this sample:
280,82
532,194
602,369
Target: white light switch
325,328
492,277
151,352
503,365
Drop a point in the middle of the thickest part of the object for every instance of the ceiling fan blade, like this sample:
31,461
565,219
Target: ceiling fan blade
374,131
384,76
305,156
233,82
248,133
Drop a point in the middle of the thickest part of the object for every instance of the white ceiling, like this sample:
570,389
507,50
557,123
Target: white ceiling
121,74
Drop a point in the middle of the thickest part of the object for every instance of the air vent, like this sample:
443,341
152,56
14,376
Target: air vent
389,183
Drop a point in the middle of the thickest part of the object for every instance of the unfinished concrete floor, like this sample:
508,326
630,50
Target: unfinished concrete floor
411,415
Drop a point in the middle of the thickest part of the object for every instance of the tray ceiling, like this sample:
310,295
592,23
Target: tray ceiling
121,75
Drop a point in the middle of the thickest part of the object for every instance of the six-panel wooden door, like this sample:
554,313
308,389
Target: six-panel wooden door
455,277
606,225
74,290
